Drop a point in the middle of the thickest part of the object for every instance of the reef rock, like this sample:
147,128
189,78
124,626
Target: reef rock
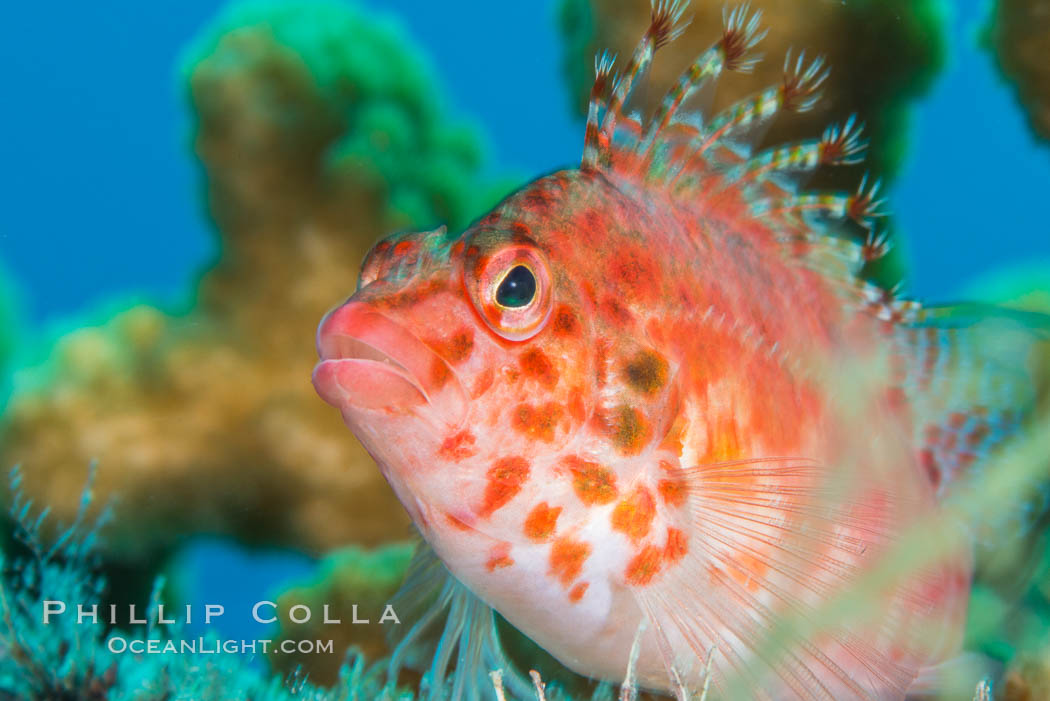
318,129
1020,37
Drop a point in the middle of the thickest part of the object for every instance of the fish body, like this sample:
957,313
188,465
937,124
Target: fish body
648,405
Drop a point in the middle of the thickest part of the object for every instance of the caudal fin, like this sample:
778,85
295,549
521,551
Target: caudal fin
975,376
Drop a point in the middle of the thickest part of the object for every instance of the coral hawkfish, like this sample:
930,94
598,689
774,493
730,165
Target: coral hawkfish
648,408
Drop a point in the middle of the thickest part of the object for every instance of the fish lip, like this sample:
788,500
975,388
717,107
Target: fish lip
337,348
356,335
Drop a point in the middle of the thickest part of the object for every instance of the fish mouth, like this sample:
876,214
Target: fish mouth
370,362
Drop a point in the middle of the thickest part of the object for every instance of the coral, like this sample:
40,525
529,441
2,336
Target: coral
1019,35
319,129
348,580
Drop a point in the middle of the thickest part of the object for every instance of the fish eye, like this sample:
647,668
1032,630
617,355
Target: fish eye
517,289
511,287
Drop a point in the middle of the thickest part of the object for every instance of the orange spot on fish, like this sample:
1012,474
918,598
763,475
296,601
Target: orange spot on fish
541,521
601,358
633,516
672,440
535,363
403,248
537,422
577,592
644,566
566,559
577,409
676,548
458,446
672,491
593,483
499,557
505,477
457,523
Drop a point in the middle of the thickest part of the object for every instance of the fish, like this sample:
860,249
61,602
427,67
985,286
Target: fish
647,409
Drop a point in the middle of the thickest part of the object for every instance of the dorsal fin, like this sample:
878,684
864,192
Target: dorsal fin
700,159
676,146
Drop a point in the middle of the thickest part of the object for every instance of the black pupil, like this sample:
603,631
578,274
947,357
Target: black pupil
518,288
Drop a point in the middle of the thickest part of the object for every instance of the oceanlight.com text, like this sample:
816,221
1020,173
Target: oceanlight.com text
205,646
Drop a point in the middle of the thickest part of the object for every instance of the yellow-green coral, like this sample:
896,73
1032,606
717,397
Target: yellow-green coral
319,128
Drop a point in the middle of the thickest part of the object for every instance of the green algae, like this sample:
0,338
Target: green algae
319,127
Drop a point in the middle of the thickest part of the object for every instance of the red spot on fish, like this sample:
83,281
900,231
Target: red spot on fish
566,559
676,548
615,312
541,521
632,270
644,566
458,446
505,477
499,557
929,464
483,382
535,363
439,373
457,523
537,422
896,399
456,348
633,516
593,483
577,592
564,322
403,248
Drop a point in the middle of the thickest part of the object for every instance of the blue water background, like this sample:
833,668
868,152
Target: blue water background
100,192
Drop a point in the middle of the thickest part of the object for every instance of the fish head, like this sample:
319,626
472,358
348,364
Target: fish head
470,365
